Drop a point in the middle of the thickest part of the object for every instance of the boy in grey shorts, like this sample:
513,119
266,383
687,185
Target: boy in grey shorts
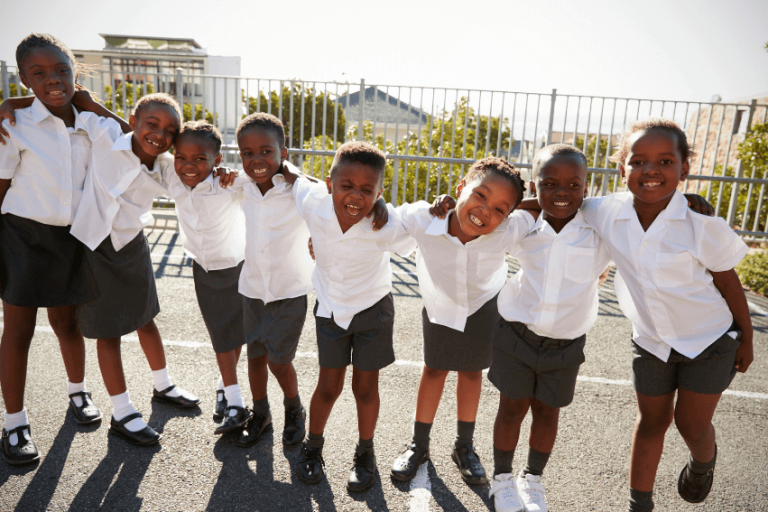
546,310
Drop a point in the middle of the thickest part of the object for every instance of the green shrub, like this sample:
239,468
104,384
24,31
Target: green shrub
753,272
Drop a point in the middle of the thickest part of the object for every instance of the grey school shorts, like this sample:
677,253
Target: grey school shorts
274,329
527,365
366,343
709,373
467,351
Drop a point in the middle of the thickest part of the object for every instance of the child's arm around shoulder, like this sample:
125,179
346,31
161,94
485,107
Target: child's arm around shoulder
308,193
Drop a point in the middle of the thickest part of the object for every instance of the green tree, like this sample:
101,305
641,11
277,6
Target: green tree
14,91
590,150
142,90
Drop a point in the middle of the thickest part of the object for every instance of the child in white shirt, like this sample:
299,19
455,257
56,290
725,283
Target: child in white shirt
354,313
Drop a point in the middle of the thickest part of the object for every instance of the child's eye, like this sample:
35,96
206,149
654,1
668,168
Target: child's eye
499,210
666,161
480,194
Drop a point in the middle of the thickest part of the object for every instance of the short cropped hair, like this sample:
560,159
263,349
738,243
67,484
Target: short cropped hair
266,122
361,152
554,150
158,97
34,40
653,123
498,167
202,130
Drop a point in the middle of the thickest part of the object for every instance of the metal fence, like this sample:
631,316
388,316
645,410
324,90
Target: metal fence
432,134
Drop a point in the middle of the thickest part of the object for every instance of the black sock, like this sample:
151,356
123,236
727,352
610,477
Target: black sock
421,434
292,403
502,461
363,446
261,406
314,440
537,461
465,431
640,501
701,468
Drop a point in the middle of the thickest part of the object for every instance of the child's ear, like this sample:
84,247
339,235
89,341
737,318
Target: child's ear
685,170
284,153
132,122
381,191
532,187
328,183
23,80
459,187
217,160
623,173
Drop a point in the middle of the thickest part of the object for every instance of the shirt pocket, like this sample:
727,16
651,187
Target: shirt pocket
673,269
579,264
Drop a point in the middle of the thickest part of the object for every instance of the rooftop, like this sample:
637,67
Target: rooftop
116,41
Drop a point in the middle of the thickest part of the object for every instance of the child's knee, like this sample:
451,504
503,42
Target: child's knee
544,412
329,391
279,370
432,374
471,377
692,429
64,326
655,423
512,412
148,329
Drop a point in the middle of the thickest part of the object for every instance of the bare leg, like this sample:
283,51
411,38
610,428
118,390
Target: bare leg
506,429
18,329
152,345
258,376
365,386
227,362
330,383
545,420
286,377
430,391
468,387
654,416
693,417
64,324
111,365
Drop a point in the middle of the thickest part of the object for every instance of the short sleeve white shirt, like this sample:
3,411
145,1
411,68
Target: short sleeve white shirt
211,219
48,163
665,287
277,261
118,193
456,279
352,270
555,291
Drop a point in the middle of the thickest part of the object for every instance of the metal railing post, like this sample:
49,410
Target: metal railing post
4,73
180,91
752,108
395,180
734,194
551,117
362,105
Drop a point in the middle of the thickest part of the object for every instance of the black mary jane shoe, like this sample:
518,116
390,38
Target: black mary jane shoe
294,431
235,422
695,488
144,437
253,430
87,412
221,405
363,472
24,451
407,463
185,400
470,468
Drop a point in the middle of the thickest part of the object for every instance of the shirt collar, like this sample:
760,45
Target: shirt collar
326,209
123,143
677,208
40,112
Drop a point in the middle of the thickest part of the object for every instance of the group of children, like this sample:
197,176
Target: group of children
71,240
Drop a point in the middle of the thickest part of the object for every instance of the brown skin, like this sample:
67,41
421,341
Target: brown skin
154,131
560,186
194,159
355,188
262,156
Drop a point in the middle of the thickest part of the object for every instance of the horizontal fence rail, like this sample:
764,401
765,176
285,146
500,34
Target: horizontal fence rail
431,135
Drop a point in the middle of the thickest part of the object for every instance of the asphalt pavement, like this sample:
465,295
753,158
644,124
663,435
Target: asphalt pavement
84,469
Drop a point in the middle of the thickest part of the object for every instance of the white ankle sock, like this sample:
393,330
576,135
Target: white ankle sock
163,381
16,420
232,393
123,407
220,385
76,388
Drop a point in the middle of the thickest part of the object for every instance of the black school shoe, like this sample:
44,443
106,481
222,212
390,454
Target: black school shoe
144,437
232,423
470,468
254,428
294,430
221,405
86,413
185,400
24,451
695,488
310,468
363,471
407,463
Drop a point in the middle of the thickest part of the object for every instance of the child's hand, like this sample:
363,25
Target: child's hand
380,214
442,205
745,354
699,205
226,176
7,111
311,251
604,276
83,99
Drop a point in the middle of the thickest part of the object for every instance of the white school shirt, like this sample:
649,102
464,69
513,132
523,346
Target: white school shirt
555,291
665,288
277,261
211,219
352,270
119,190
456,279
48,163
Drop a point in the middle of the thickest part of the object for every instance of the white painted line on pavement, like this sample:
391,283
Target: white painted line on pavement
757,309
401,362
421,491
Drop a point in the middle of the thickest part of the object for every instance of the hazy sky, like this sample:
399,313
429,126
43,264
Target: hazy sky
659,49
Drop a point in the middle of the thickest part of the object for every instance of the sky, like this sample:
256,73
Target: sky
686,50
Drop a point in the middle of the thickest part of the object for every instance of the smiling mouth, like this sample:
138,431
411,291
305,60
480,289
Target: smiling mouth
190,175
260,172
561,204
56,93
352,210
477,222
153,143
651,184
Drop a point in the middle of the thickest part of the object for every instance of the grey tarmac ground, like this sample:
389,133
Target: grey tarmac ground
84,469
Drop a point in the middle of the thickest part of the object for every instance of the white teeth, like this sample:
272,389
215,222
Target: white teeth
154,143
352,209
190,175
477,222
651,184
561,204
259,171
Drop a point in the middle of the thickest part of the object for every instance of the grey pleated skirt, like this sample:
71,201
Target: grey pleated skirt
221,305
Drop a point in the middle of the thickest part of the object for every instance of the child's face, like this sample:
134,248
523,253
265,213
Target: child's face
355,188
48,72
561,185
261,154
154,129
484,203
654,166
194,159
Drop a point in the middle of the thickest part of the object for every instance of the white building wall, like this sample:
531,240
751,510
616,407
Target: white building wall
223,96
